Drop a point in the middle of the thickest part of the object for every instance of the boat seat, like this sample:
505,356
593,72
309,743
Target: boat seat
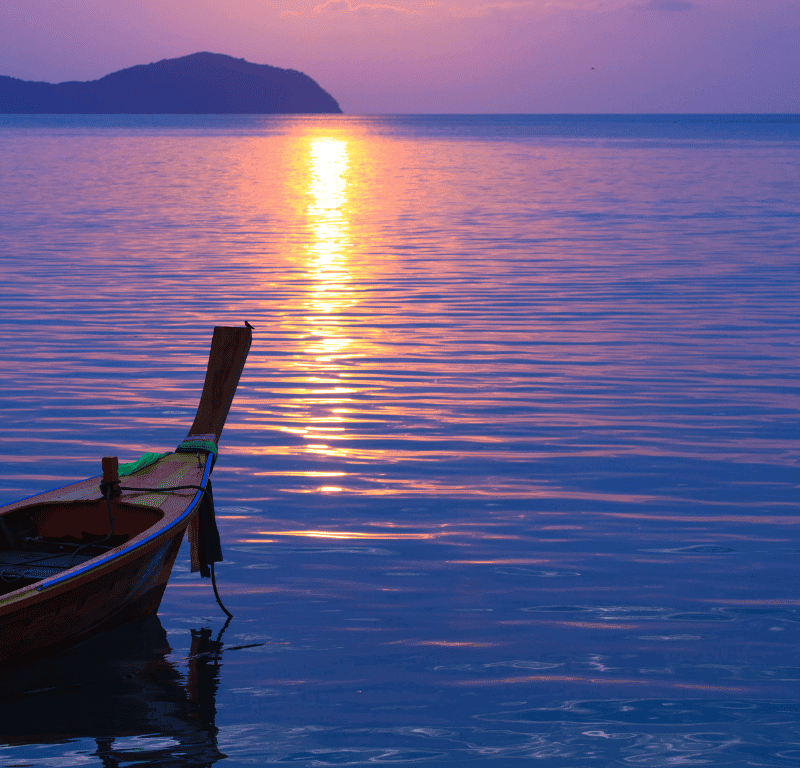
39,565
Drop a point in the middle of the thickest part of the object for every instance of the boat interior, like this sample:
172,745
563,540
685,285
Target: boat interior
41,540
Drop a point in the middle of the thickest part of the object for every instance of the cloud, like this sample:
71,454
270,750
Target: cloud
544,7
671,5
334,6
482,10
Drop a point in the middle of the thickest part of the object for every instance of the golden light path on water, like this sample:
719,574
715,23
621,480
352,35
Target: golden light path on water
329,291
325,340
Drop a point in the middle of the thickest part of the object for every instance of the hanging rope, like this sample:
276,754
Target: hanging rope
210,548
216,594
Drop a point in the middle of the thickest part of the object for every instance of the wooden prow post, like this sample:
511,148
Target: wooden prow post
110,477
229,348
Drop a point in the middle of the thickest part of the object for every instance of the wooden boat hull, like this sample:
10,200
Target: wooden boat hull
56,590
73,612
122,586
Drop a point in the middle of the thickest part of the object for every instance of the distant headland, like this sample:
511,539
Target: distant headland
202,83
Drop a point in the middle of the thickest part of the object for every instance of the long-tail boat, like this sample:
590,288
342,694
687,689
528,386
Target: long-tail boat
98,554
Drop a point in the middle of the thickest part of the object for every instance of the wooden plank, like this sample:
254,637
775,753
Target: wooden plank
229,348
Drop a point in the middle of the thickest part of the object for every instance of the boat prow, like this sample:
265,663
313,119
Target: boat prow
90,556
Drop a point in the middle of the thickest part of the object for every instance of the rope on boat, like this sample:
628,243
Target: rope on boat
216,594
108,492
210,549
208,535
14,573
195,446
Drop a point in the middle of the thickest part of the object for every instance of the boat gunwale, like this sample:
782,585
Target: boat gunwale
122,552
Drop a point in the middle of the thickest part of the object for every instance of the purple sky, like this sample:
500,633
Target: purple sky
405,56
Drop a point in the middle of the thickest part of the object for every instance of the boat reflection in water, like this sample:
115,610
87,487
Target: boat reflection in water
120,690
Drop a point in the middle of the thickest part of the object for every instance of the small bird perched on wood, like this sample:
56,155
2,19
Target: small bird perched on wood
248,325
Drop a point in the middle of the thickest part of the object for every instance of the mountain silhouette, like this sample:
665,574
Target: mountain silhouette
202,83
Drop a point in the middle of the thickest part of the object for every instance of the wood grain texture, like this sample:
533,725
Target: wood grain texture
229,348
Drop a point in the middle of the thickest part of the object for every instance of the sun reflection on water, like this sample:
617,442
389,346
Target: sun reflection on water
326,341
352,535
327,253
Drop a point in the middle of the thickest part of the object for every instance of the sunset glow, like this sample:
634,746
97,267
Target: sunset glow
510,473
463,56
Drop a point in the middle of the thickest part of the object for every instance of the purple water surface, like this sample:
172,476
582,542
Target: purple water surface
512,471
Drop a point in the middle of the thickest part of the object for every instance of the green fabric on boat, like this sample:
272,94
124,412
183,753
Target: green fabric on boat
193,446
145,460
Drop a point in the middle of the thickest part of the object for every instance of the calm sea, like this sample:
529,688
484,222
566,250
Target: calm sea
512,473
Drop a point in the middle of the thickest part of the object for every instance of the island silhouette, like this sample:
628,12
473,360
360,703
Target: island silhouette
201,83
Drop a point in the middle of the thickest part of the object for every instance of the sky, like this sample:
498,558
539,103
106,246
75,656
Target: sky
443,56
